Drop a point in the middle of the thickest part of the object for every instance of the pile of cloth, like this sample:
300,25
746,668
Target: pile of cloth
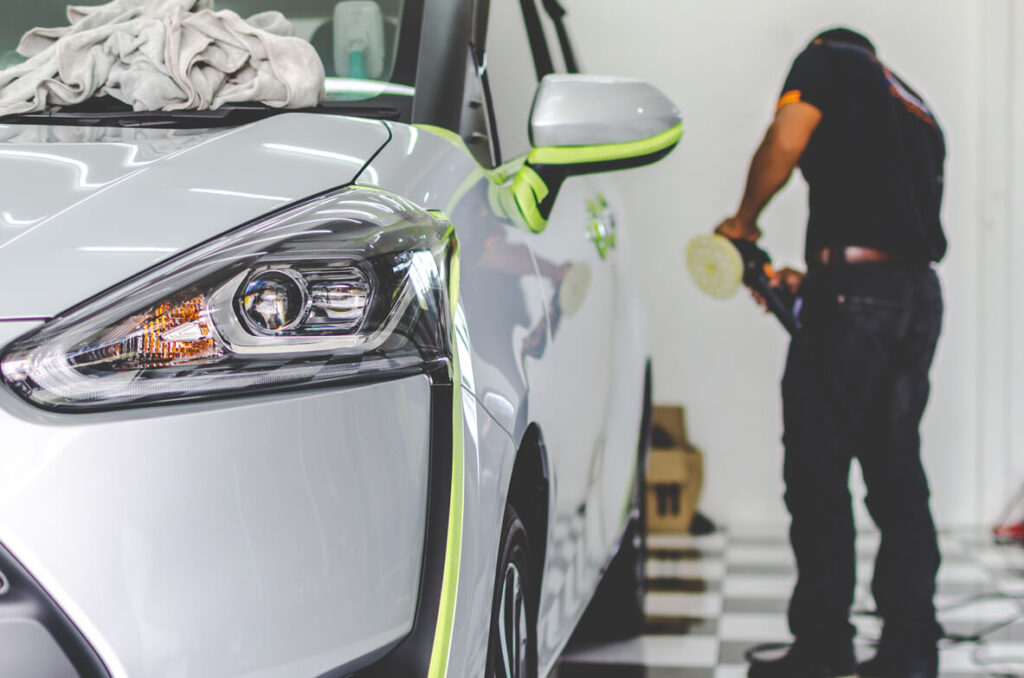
163,55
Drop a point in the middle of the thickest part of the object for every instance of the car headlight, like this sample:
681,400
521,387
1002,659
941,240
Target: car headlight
345,286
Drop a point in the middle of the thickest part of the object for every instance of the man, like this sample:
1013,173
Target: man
856,379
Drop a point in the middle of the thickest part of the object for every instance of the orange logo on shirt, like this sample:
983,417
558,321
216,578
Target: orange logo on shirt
912,102
790,97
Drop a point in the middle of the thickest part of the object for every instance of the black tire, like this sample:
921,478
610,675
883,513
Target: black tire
617,609
512,648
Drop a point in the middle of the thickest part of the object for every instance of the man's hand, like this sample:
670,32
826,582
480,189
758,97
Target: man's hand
788,277
737,229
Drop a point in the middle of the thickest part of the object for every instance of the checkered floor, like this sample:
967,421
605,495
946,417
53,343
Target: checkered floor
710,598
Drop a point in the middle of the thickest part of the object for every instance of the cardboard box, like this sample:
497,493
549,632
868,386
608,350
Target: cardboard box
675,473
668,427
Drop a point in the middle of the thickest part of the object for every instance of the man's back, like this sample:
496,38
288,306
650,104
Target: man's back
875,163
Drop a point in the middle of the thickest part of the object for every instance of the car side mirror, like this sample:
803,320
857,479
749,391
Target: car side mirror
582,124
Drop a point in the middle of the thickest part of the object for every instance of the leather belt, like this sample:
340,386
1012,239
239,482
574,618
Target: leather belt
853,255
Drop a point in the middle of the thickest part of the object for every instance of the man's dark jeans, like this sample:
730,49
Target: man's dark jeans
856,385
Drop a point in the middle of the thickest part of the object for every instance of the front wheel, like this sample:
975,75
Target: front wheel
512,649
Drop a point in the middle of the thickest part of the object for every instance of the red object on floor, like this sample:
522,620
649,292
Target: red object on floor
1010,533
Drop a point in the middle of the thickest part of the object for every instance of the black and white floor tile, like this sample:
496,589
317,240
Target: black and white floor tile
711,598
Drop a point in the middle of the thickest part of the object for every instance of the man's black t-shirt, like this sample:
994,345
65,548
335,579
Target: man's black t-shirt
875,163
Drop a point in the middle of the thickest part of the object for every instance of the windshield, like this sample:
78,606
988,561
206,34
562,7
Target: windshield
368,47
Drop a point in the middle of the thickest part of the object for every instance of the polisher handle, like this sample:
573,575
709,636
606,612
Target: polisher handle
757,275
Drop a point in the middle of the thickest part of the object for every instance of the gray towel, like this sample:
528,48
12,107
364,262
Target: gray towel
163,55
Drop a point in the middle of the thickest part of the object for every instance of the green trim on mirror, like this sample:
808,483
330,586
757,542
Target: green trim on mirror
537,176
580,155
529,190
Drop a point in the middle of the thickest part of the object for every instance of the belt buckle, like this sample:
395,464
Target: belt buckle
831,256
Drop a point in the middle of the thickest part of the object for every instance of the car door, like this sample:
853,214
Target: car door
625,370
569,376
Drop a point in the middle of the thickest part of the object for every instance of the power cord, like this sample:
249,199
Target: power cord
978,637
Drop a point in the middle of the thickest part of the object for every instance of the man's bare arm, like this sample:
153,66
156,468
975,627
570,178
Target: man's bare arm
773,164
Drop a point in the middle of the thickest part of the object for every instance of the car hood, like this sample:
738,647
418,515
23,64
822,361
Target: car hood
83,208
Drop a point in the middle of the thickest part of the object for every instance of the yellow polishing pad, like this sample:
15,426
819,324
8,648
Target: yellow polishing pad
574,288
715,265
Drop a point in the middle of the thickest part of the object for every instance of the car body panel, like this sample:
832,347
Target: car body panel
630,355
502,308
500,291
526,358
520,335
295,533
271,536
11,329
149,193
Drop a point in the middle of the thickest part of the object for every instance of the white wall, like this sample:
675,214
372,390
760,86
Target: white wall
1000,315
723,62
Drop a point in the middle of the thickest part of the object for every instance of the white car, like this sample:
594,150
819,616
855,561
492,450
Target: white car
351,391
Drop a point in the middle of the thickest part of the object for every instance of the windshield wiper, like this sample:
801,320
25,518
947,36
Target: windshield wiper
108,112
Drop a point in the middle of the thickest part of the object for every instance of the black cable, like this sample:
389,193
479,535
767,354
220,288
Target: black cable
982,661
978,637
750,655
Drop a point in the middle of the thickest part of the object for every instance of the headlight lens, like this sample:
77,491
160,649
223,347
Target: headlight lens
274,300
345,286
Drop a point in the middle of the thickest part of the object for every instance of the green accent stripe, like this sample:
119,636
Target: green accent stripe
530,190
580,155
499,175
444,133
495,175
440,654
